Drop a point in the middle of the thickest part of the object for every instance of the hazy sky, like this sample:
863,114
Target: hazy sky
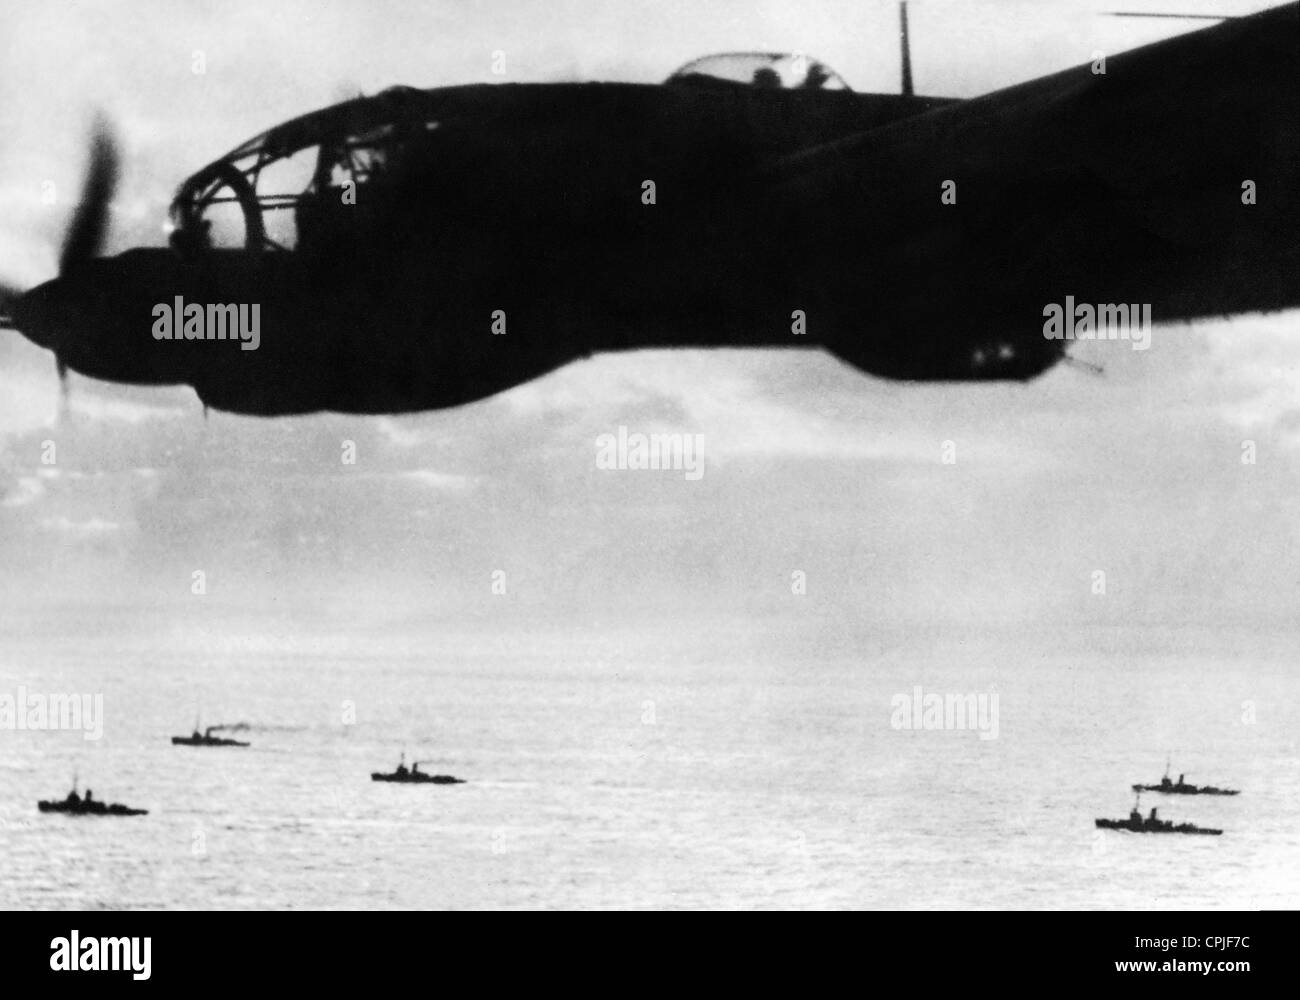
809,465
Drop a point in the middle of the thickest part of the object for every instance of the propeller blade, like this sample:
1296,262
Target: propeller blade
90,221
65,396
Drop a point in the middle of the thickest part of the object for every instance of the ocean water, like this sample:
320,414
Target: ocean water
643,767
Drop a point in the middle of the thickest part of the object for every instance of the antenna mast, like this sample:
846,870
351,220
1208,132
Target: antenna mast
1181,17
907,50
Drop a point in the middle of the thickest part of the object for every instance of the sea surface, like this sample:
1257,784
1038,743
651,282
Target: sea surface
639,766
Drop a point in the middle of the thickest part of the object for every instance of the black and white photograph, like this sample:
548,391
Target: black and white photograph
826,455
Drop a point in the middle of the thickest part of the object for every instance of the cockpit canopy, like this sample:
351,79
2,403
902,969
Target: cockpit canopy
313,176
779,70
256,195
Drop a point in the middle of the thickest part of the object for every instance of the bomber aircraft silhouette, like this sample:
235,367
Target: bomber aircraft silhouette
439,246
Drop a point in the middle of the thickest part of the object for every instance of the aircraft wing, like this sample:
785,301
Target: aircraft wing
1172,178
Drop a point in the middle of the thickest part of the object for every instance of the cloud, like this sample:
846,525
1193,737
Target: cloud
28,400
94,406
95,527
30,397
30,489
752,405
413,431
438,480
1255,366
